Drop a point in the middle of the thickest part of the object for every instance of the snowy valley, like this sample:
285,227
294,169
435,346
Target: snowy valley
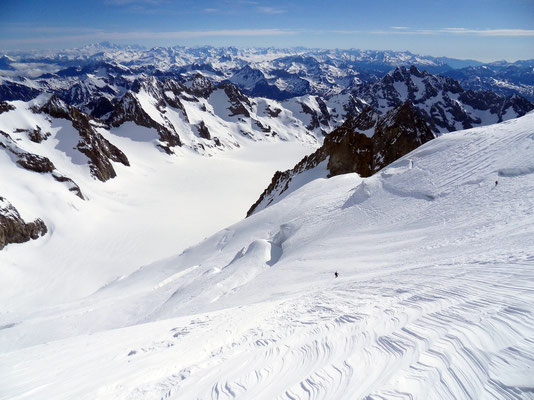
130,268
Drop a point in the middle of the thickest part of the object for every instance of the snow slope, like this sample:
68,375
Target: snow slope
154,208
435,297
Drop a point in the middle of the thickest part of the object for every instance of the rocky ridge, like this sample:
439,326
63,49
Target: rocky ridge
362,145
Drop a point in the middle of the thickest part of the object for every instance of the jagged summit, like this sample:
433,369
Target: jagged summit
442,101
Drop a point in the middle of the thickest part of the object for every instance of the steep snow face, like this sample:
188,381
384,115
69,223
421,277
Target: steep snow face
433,300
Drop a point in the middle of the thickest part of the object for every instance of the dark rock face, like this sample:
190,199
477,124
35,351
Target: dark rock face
129,109
29,161
99,150
318,118
240,104
15,91
395,134
100,107
13,229
203,130
200,86
36,135
35,163
71,185
55,107
4,107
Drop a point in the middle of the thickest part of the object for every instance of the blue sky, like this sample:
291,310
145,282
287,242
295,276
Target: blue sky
486,30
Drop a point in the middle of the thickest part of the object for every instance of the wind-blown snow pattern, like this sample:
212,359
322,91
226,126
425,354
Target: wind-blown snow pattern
434,298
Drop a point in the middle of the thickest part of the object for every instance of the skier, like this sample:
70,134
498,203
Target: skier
336,274
496,183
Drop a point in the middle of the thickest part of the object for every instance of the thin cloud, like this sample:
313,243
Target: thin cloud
270,10
444,31
211,10
489,32
399,27
139,35
130,2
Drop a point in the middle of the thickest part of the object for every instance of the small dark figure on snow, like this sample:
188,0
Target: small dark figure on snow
336,274
496,183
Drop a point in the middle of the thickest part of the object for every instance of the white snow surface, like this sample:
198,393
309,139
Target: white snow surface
152,209
435,298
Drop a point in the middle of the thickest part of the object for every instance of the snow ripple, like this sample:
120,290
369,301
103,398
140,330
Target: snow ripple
442,335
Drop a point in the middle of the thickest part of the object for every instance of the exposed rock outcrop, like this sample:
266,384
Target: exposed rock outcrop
36,163
239,103
13,229
129,109
4,107
98,149
348,150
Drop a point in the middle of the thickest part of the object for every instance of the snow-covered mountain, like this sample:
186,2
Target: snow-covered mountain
113,160
445,105
500,77
211,100
362,145
265,72
433,299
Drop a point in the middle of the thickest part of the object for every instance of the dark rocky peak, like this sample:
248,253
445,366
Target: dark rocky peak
240,104
430,82
55,107
518,103
100,107
13,229
172,90
347,150
199,86
398,132
319,117
496,103
129,109
151,85
441,100
246,77
365,120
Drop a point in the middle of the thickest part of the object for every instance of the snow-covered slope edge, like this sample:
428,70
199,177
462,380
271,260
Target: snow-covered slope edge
434,299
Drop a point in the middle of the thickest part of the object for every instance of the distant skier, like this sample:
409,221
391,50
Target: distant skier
336,274
496,183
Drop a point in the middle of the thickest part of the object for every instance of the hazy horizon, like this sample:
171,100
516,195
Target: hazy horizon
484,30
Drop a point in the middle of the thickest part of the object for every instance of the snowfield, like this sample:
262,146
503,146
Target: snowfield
435,298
